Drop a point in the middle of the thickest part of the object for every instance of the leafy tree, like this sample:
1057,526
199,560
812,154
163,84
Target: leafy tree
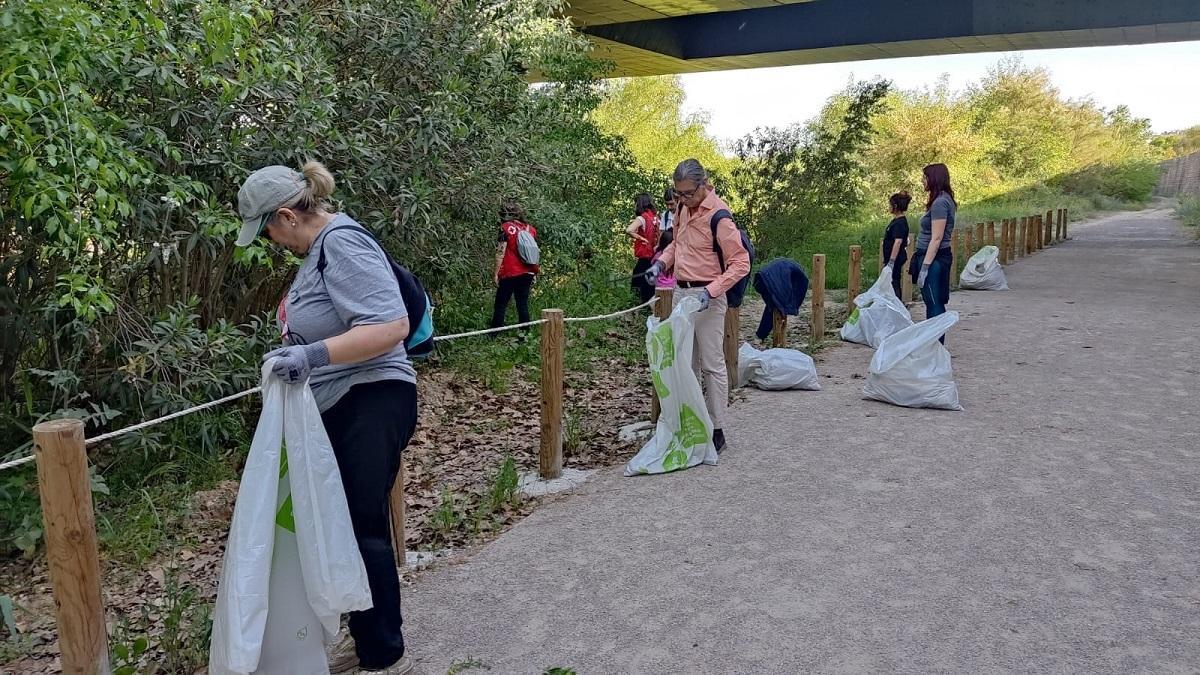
794,181
647,113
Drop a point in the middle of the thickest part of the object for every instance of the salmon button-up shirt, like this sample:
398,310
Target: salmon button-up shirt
691,253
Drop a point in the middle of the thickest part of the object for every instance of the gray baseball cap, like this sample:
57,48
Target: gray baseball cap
262,194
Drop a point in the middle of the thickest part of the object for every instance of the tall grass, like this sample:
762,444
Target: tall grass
1188,210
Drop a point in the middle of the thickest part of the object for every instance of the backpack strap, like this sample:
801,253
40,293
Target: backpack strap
321,262
712,223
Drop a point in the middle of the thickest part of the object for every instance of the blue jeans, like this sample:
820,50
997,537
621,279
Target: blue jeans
936,291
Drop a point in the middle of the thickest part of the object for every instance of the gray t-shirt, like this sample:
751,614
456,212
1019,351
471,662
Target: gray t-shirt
358,288
943,207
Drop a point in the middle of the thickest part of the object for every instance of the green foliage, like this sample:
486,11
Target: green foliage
793,182
127,128
647,113
502,492
186,632
1188,210
1179,143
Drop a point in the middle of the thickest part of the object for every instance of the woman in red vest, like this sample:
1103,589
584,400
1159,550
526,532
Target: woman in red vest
644,231
514,277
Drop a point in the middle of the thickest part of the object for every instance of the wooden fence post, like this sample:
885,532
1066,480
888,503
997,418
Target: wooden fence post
818,300
397,506
969,234
954,259
550,453
778,329
1004,241
72,554
1041,233
906,290
662,310
1066,222
1057,225
979,236
991,233
1021,250
733,330
853,278
882,256
1049,227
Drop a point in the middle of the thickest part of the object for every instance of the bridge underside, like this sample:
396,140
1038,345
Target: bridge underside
657,37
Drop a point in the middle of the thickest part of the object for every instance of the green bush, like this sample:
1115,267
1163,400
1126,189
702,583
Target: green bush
1189,209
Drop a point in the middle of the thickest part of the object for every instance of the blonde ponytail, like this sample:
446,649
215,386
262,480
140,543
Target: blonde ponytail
317,190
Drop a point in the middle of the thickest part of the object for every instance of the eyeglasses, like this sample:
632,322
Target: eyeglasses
687,194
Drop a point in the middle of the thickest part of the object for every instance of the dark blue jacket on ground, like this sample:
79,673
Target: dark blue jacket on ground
782,284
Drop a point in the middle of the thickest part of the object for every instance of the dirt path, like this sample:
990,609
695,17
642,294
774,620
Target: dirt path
1052,526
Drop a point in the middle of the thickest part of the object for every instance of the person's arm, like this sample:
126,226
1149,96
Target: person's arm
939,214
366,341
501,245
635,225
737,259
667,257
895,251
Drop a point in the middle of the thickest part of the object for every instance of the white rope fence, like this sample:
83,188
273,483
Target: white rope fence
631,310
254,390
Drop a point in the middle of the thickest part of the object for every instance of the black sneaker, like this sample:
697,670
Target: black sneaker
719,439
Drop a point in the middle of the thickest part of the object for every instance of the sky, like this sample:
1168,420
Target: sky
1156,81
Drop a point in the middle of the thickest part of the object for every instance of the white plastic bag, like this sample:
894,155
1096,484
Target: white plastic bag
292,565
878,314
683,436
983,271
776,369
912,369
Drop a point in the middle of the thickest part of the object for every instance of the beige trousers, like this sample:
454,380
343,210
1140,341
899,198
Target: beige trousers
708,354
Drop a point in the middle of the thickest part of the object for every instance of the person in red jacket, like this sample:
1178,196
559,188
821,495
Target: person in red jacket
513,276
644,231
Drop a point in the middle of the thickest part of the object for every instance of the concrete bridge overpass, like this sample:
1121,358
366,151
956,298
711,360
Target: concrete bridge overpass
656,37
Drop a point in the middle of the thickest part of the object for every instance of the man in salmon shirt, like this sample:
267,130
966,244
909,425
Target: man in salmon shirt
698,274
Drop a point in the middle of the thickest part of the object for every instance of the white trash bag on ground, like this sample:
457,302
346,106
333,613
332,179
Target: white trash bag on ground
777,369
983,272
683,437
877,314
292,565
912,369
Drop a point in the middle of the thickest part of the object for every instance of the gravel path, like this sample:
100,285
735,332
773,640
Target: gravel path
1054,526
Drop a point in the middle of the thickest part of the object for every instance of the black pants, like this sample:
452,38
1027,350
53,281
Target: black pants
518,286
368,428
644,289
897,275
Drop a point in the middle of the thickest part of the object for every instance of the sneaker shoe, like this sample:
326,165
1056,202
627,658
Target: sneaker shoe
719,439
343,659
402,667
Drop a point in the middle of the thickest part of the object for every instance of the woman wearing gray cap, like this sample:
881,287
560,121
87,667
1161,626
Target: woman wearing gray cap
344,324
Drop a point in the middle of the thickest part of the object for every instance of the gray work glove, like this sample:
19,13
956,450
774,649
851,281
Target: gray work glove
704,299
294,364
888,266
922,276
653,273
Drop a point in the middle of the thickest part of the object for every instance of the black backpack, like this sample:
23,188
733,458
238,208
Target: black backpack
419,342
737,292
